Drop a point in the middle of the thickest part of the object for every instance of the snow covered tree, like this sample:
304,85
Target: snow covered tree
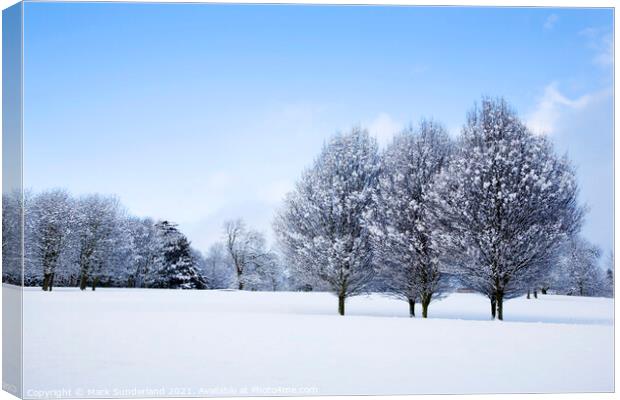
144,249
200,263
33,268
269,273
12,237
323,227
609,275
51,215
97,223
116,270
174,267
580,271
546,276
408,263
90,240
217,268
503,205
296,282
246,249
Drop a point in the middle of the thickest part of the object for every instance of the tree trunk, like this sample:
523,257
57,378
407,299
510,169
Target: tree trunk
535,293
493,306
95,281
83,281
50,284
426,300
341,299
46,281
500,306
412,308
528,293
543,290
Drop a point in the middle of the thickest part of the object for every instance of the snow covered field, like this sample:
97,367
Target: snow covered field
124,342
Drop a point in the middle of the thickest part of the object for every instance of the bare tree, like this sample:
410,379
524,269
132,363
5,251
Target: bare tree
218,269
246,249
269,273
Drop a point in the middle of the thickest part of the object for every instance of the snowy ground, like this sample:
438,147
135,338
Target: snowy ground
130,342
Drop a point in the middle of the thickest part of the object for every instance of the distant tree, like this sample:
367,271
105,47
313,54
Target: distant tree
117,267
90,240
296,282
200,263
409,263
174,267
581,274
144,250
551,274
323,227
546,282
269,273
503,205
32,268
246,249
218,270
51,216
97,223
609,274
12,237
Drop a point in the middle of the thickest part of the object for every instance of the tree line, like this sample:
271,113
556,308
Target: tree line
494,211
92,241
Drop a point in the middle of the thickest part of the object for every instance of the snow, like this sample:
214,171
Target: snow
158,342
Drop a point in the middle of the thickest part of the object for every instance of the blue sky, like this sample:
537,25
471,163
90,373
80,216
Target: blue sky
200,113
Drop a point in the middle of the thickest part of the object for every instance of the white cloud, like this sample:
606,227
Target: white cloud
384,127
605,54
551,106
600,40
582,128
551,21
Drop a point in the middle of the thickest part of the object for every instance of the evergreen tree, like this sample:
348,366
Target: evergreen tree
175,268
